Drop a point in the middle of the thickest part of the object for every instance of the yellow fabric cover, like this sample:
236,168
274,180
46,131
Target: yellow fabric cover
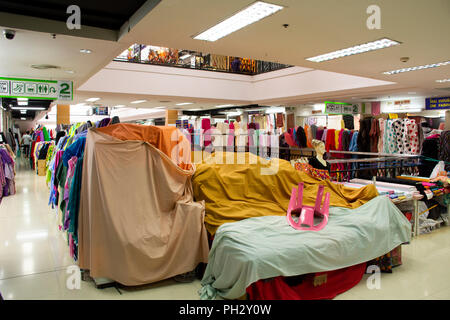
234,192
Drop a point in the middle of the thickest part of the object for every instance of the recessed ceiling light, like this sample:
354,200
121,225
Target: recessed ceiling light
224,105
443,80
22,103
44,66
69,71
23,118
427,66
28,108
369,46
184,103
85,51
92,99
138,101
243,18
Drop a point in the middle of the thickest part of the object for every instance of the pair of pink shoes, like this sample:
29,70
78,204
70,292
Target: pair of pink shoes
307,213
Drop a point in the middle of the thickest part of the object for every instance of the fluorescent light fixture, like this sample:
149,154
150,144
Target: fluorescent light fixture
184,103
22,99
243,18
443,80
85,51
23,111
160,107
185,56
138,101
22,103
427,66
120,106
275,110
28,108
198,109
92,99
23,119
224,105
369,46
233,114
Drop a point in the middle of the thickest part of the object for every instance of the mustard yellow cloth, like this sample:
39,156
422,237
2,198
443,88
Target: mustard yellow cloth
234,192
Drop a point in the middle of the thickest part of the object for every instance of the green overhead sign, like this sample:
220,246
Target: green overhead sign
342,108
36,89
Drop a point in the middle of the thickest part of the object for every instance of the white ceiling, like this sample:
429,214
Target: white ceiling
29,47
315,27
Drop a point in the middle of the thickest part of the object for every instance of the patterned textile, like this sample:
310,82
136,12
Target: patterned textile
444,153
388,261
316,173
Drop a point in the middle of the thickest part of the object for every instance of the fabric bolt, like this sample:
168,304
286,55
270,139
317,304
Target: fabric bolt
168,139
155,232
252,186
280,288
352,236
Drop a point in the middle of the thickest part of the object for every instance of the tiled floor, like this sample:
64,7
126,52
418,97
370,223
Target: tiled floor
34,259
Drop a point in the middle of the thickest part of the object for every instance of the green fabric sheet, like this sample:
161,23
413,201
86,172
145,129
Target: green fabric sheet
257,248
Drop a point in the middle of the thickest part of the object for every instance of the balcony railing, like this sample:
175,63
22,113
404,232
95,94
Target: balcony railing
196,60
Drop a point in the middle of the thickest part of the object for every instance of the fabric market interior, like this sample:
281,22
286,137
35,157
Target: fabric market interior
225,150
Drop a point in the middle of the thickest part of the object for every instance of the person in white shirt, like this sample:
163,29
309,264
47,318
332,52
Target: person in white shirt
26,143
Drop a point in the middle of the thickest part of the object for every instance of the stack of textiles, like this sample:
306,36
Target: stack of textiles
7,172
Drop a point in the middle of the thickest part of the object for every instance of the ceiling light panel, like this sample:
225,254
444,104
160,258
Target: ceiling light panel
255,12
28,108
443,80
22,103
138,101
370,46
184,103
92,99
427,66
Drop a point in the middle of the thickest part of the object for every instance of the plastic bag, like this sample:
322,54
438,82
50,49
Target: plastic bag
437,169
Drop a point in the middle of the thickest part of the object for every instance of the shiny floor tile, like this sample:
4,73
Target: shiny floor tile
34,257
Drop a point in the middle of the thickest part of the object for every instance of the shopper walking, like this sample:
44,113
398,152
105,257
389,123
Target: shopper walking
26,143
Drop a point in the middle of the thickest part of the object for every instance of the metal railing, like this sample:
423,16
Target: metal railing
196,60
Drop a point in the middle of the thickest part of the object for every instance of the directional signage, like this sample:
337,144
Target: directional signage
36,89
342,108
437,103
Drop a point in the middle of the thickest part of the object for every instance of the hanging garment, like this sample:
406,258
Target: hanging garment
381,136
301,137
364,135
374,135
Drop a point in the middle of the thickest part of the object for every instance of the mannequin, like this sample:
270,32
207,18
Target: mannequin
318,161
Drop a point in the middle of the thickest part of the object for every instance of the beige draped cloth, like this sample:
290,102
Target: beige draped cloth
138,222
